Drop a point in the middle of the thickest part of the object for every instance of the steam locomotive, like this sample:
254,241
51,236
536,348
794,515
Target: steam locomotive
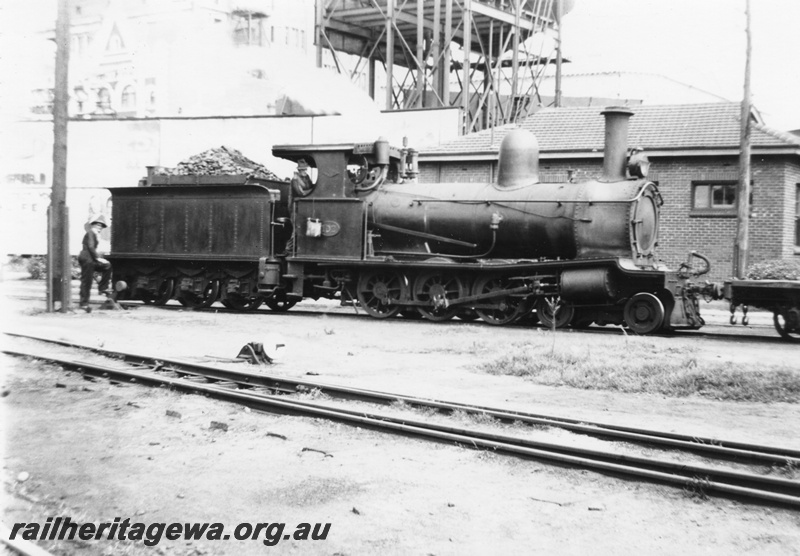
361,230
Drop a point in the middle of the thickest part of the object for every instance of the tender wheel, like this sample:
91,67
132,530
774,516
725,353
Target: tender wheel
564,312
165,292
506,309
437,290
787,323
380,291
241,303
644,313
202,300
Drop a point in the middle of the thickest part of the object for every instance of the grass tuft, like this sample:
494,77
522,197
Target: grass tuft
641,367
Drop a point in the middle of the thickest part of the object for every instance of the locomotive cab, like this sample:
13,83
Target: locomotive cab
330,219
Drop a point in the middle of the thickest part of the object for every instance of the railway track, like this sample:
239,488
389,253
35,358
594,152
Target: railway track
754,332
269,393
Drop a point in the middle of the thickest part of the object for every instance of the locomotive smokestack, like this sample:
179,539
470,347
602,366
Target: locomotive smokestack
518,163
616,145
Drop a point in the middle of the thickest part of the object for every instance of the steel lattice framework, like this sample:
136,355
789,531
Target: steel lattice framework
480,55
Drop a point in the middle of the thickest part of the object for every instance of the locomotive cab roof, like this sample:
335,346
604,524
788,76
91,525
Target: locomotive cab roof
349,168
308,151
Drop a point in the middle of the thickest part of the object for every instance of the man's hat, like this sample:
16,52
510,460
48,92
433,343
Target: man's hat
302,164
99,220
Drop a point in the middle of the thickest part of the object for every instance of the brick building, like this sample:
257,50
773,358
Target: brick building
694,154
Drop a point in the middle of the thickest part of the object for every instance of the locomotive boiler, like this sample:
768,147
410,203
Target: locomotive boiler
361,230
609,217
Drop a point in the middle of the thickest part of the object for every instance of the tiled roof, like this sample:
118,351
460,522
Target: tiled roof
654,128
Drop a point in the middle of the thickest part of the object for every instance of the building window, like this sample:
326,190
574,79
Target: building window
797,216
248,31
714,196
128,99
115,43
103,100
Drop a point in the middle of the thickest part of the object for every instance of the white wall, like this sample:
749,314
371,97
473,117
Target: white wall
104,154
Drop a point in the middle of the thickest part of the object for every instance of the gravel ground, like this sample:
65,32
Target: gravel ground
95,451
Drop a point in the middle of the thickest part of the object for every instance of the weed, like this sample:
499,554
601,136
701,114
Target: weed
37,266
311,394
474,418
641,367
789,469
697,489
487,455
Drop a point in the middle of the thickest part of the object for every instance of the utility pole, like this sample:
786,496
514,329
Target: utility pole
59,265
558,8
743,188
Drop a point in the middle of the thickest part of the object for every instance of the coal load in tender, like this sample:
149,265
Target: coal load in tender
217,162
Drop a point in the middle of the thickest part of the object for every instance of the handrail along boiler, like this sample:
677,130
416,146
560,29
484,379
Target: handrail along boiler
368,234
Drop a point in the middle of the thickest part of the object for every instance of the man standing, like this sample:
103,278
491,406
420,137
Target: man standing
92,262
302,183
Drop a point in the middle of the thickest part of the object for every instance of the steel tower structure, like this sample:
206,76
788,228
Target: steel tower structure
487,57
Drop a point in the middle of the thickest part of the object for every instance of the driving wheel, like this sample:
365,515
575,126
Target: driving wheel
438,290
506,309
380,291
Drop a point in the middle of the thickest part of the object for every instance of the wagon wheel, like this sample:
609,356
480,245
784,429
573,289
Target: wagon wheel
644,313
787,323
505,309
563,313
202,300
438,290
238,302
380,290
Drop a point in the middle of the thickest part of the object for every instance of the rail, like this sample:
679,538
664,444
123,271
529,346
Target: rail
252,390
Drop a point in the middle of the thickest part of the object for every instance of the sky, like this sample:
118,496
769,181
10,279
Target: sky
698,42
